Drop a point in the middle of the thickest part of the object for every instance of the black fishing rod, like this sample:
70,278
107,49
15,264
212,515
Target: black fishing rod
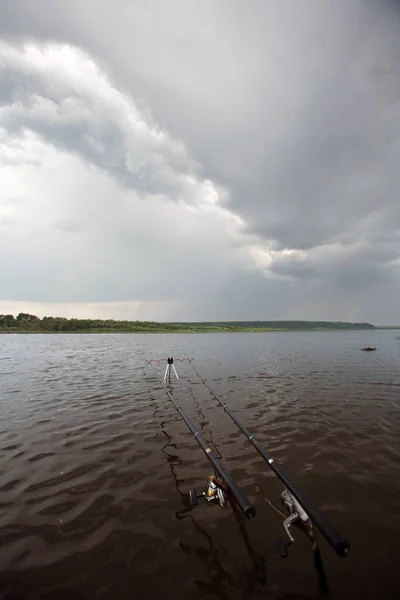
214,491
298,505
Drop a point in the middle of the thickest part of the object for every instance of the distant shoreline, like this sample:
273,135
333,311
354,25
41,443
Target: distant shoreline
26,323
162,331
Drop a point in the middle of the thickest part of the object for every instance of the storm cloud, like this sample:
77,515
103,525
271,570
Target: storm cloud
213,160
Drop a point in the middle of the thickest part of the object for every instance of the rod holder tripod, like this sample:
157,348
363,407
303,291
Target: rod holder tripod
170,366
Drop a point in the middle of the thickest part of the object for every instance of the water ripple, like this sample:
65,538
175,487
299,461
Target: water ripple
95,464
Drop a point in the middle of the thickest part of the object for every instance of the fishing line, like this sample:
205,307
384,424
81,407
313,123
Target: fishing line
296,503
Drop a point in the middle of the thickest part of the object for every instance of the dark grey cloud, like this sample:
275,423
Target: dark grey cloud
292,107
348,266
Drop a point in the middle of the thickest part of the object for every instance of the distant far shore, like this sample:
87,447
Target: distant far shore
25,323
183,331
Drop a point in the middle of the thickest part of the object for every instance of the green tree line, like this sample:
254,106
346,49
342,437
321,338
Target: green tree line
26,322
29,323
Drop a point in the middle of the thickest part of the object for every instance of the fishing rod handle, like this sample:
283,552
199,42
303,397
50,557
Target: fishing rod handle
330,533
333,537
234,490
340,545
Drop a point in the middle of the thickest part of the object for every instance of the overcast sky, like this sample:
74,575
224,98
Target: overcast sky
213,160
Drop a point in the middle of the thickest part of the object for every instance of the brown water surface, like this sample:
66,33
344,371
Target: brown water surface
95,465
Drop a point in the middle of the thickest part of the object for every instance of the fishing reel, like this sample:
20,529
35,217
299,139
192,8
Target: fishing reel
213,492
296,514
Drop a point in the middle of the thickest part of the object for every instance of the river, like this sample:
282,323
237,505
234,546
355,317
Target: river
96,465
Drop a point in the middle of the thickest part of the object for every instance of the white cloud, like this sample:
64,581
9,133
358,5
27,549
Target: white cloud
84,222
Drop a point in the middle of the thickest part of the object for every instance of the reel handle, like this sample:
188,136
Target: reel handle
282,547
194,496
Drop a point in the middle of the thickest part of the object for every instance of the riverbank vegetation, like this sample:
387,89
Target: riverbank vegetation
25,323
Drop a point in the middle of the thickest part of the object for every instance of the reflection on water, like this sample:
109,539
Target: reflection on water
96,465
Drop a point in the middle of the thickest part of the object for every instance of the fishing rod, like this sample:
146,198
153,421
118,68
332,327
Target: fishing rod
298,506
221,485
